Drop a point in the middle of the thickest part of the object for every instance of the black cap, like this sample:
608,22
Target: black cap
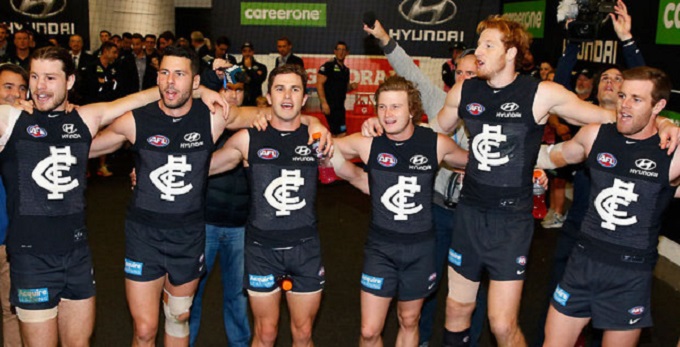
457,45
247,44
586,72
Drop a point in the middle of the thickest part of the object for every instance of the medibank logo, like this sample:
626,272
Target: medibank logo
286,14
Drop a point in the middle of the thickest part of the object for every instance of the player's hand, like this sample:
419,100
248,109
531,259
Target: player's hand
263,118
212,98
371,127
325,108
378,32
24,105
621,21
133,179
541,178
326,140
669,134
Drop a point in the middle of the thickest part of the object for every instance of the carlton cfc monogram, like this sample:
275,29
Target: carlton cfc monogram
167,178
49,173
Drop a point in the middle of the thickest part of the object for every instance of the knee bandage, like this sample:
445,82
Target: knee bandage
36,316
174,308
462,289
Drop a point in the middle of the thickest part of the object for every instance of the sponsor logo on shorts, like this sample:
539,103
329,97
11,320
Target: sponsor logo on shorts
637,310
521,260
133,267
561,296
371,282
268,153
475,109
455,258
633,321
322,272
36,131
158,140
33,296
432,277
607,160
261,281
387,160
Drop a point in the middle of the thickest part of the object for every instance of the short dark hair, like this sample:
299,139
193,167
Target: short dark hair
138,36
177,51
107,46
127,35
286,69
56,54
222,40
105,31
399,83
114,36
341,43
285,38
661,82
167,35
15,69
151,36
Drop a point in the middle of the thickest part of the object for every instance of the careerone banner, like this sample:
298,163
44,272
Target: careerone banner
422,27
48,18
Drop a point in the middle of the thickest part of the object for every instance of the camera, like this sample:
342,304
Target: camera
590,16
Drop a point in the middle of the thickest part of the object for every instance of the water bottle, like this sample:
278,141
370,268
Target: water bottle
326,172
540,210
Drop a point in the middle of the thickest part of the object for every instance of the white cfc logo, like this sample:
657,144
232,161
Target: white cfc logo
395,198
167,178
491,136
49,172
279,192
608,201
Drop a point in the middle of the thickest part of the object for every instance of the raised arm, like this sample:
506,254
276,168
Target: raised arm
447,118
433,97
350,147
231,154
114,136
450,153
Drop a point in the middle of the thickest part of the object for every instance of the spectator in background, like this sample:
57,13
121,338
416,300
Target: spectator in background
198,43
150,45
4,43
101,82
221,50
104,36
125,46
137,72
584,85
332,86
285,48
13,87
528,66
449,67
182,42
165,39
257,74
80,58
21,53
544,69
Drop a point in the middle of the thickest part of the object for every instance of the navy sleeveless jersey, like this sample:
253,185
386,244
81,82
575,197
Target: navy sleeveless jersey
172,157
43,167
504,143
282,175
401,177
629,191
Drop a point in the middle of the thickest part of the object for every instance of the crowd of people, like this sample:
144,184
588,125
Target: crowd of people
454,203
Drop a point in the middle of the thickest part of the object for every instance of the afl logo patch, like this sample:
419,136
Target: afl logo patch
268,153
36,131
521,260
158,141
387,160
637,310
475,109
606,160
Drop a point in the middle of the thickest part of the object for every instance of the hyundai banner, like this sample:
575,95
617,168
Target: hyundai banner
424,26
47,18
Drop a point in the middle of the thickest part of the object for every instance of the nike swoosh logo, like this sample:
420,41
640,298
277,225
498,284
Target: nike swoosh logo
175,120
398,143
633,321
630,142
52,115
496,91
430,286
519,272
285,134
